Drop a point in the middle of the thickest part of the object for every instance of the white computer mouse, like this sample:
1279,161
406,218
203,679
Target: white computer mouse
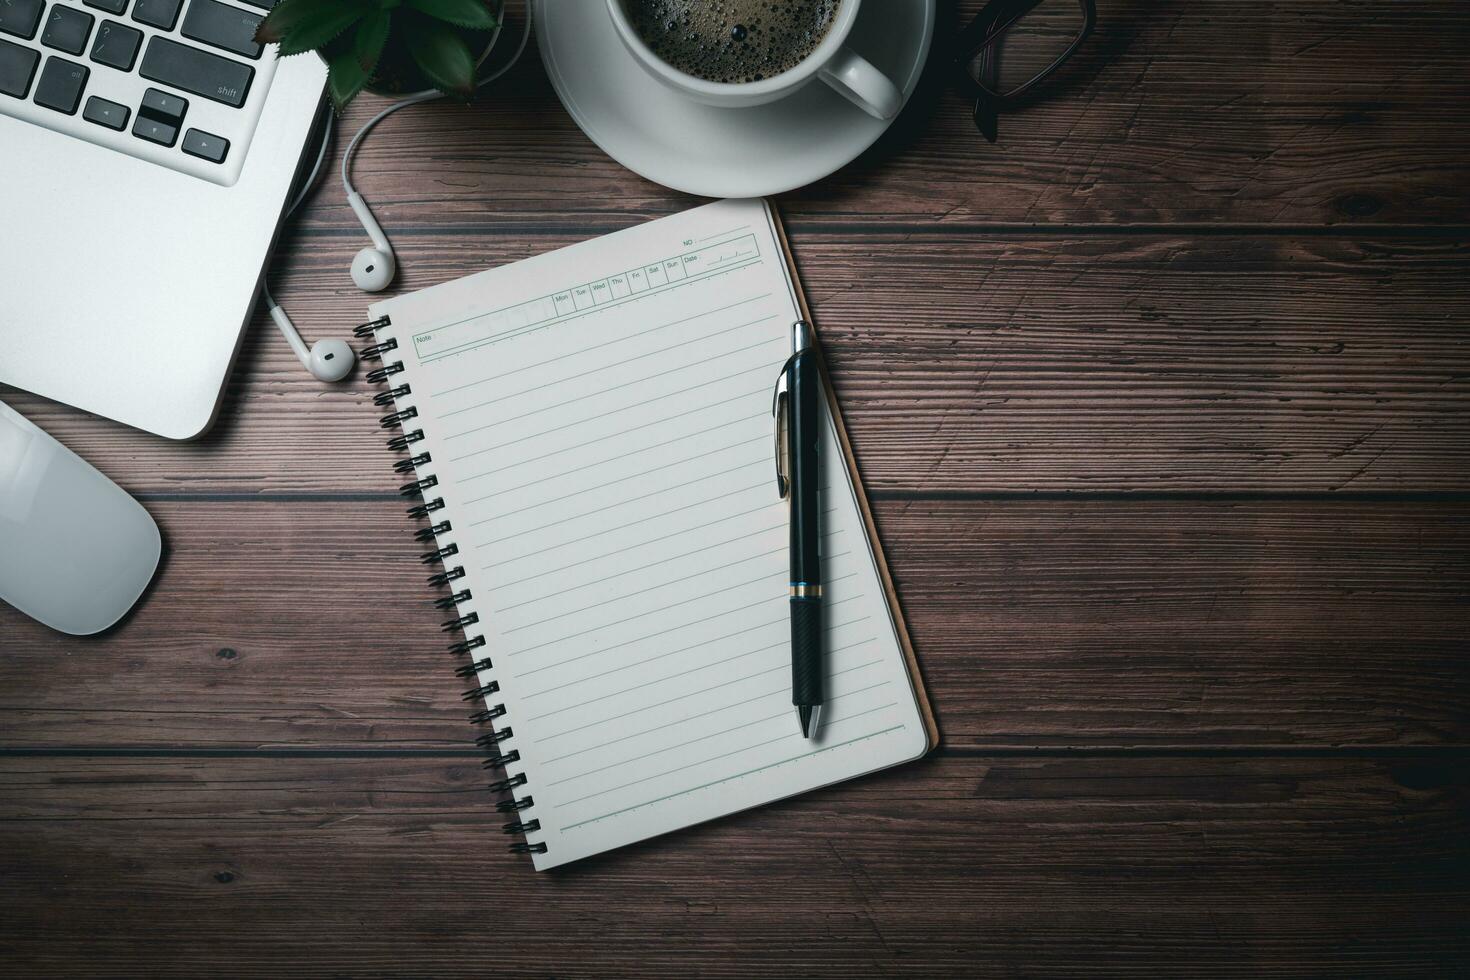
75,550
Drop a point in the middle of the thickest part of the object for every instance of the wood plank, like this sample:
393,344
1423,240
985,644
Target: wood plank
1038,623
974,362
959,865
1201,111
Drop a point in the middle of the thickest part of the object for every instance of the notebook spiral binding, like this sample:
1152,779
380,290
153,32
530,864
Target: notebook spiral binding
438,535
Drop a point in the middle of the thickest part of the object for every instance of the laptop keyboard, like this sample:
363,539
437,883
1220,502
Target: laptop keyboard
179,83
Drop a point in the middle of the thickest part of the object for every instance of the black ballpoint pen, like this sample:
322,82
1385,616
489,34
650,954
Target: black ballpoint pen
799,390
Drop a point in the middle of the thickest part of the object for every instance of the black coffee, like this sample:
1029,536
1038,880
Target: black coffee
732,40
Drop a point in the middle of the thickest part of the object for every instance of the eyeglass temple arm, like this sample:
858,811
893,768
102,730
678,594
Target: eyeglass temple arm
986,113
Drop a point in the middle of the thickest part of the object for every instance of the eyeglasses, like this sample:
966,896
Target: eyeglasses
1037,35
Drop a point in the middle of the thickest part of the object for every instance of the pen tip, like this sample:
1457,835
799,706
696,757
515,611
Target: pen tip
807,715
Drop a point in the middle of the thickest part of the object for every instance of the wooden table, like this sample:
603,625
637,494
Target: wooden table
1164,403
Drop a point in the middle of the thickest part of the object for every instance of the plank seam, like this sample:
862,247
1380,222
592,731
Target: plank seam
908,229
979,496
1455,751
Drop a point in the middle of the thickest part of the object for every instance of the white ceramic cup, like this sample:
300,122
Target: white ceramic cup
832,61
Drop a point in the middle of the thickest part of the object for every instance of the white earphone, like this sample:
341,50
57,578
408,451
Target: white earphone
374,267
327,360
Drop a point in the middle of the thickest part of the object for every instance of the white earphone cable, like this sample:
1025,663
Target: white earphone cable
357,138
422,97
306,188
332,360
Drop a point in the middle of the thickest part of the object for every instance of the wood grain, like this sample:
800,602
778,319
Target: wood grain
974,362
1163,400
959,865
1214,112
1038,623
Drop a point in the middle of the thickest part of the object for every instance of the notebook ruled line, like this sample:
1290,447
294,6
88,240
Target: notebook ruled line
444,392
705,738
566,588
650,541
640,568
759,579
645,520
786,737
785,713
588,678
465,348
619,387
597,418
665,632
738,775
616,503
661,704
684,673
681,578
652,588
641,474
559,318
702,338
647,425
561,614
601,462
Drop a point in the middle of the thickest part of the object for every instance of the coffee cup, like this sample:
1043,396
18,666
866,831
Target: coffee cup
830,60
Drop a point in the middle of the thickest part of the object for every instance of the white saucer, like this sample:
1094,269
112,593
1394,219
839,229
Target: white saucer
718,152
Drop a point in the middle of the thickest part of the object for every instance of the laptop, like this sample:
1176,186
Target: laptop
147,152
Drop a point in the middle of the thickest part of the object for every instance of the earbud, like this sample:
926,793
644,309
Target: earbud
328,360
373,267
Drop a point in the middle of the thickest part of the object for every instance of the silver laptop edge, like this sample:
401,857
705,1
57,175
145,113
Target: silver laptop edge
125,286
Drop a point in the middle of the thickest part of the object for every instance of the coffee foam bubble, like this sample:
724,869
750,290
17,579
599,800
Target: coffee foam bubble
732,41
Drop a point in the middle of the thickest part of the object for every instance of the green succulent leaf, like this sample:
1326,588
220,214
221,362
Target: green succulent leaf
345,76
473,14
441,54
371,36
306,25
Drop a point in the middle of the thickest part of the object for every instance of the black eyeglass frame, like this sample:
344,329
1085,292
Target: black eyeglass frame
979,40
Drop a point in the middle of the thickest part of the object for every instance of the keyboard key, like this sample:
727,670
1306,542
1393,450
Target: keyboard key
21,17
155,131
222,26
111,6
105,113
164,106
67,29
116,45
198,143
263,4
196,71
162,14
17,67
61,85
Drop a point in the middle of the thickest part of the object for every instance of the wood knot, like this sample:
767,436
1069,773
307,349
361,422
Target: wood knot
226,653
224,877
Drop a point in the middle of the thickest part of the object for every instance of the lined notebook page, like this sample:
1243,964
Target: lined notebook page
599,422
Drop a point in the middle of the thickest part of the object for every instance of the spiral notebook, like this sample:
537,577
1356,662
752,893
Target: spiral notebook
589,435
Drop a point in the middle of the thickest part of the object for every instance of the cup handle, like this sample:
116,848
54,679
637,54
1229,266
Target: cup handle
864,86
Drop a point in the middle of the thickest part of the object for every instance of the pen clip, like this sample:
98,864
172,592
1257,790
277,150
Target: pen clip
779,399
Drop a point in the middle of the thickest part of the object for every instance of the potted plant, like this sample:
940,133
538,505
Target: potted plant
390,46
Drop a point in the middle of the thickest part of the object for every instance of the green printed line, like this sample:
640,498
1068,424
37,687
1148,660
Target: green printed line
562,318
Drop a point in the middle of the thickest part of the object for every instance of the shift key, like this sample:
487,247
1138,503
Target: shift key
183,67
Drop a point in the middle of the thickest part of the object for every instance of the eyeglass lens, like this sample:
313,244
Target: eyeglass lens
1029,46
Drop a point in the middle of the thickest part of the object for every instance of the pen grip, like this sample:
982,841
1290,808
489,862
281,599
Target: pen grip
808,675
